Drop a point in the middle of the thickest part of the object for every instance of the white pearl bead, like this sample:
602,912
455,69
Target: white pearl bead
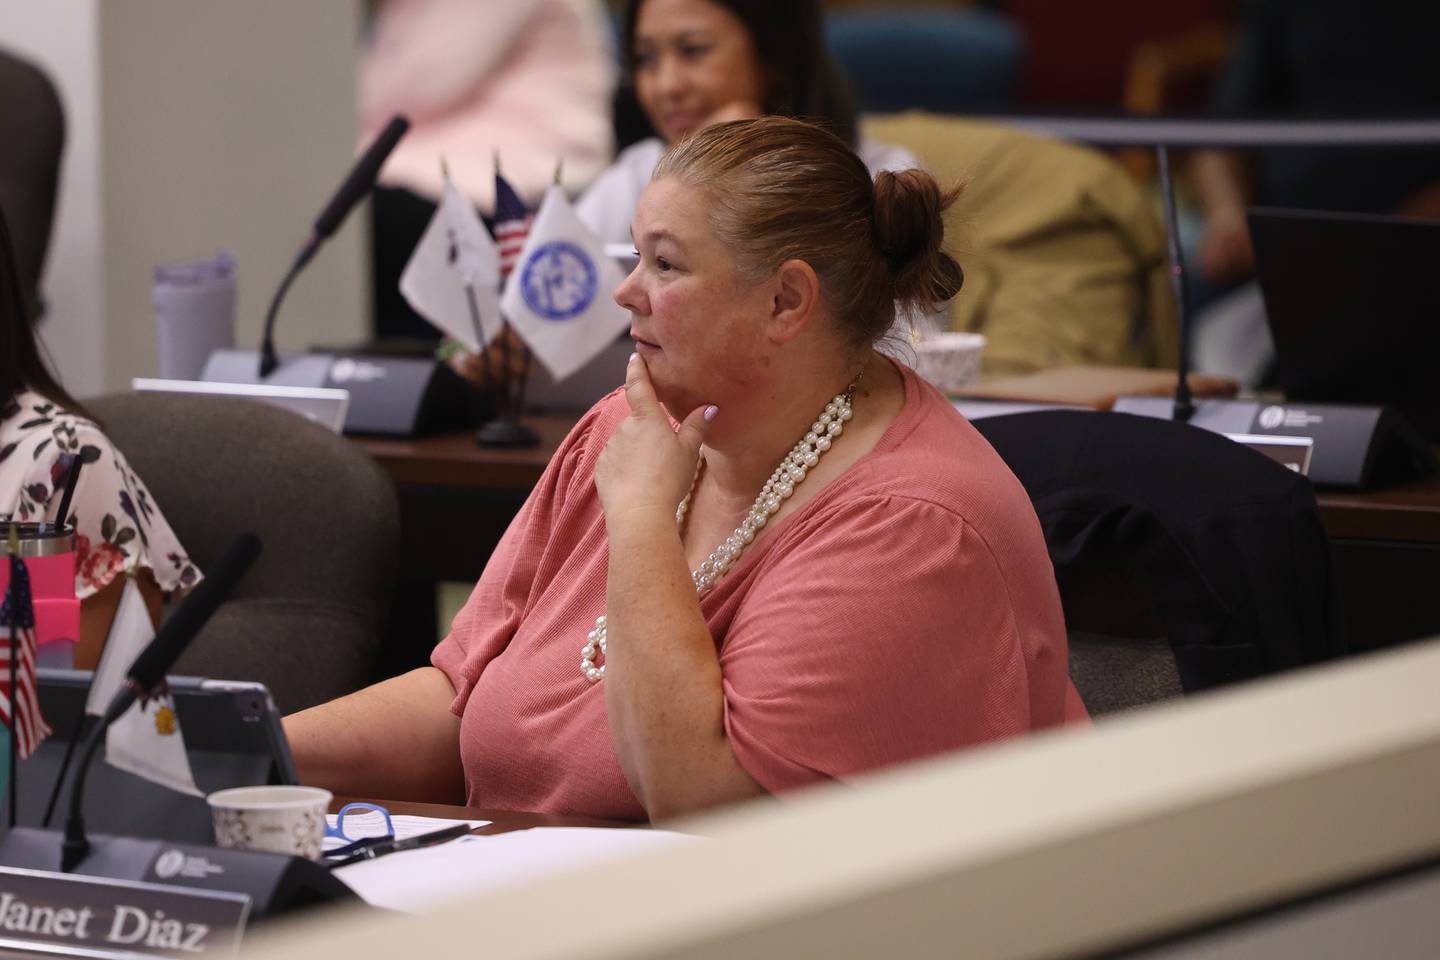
846,413
822,444
835,428
812,459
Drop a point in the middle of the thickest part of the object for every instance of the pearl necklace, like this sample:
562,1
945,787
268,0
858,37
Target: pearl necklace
781,485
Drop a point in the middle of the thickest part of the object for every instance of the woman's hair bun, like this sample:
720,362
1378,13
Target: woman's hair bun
909,231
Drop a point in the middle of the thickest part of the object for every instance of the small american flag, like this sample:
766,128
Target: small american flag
512,224
17,614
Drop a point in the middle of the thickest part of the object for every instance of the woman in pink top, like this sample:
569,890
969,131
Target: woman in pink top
883,594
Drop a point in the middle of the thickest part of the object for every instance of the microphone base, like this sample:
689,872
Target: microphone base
507,433
389,396
1352,447
276,884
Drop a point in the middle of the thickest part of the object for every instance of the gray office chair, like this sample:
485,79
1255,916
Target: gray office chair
1121,673
1207,557
307,619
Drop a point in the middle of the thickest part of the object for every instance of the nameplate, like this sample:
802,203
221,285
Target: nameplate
57,913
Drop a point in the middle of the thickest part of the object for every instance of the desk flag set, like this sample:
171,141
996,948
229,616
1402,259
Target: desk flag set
556,280
146,739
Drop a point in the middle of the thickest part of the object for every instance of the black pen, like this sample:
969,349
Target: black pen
395,845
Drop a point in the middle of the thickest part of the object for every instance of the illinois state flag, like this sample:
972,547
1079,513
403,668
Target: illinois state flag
454,262
560,299
146,740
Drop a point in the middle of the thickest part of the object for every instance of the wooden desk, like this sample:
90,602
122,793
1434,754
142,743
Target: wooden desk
455,460
1409,513
456,499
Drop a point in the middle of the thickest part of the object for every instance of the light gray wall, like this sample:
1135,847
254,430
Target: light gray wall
194,125
62,37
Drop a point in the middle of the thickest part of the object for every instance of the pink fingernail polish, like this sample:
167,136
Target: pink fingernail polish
632,358
710,412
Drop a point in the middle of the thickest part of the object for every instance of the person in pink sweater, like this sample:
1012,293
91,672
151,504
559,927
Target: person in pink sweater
775,558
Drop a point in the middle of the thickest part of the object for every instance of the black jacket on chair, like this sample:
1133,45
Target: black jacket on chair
1161,529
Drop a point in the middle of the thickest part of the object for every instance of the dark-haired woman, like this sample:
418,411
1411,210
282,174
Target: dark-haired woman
697,62
822,570
43,431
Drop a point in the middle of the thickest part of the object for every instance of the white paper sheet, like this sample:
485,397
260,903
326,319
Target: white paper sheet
419,880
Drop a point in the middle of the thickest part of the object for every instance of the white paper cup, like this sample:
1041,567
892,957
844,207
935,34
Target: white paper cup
276,819
951,361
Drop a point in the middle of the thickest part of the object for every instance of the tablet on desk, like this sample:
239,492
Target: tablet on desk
232,735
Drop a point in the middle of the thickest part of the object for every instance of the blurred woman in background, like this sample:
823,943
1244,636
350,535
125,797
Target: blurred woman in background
692,63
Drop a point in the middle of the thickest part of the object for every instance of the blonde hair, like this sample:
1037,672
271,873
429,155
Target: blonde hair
782,189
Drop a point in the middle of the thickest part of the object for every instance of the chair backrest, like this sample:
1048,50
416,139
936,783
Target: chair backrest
32,129
307,619
1158,529
945,61
1113,674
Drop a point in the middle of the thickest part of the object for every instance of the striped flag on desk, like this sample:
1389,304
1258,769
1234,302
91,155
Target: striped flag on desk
20,709
512,224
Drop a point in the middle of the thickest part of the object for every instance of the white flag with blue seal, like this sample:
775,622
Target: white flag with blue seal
561,296
455,267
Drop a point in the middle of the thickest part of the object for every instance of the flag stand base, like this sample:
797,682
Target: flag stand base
507,433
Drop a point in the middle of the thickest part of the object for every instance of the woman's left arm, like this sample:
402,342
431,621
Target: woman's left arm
663,693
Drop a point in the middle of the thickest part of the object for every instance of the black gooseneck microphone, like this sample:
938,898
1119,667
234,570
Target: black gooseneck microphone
148,673
352,191
1184,406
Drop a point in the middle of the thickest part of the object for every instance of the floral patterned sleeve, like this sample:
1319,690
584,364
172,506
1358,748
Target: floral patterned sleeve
118,525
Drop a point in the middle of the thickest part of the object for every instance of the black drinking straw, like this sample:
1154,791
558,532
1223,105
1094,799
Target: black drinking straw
70,482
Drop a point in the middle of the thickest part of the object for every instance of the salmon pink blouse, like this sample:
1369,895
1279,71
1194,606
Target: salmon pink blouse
908,609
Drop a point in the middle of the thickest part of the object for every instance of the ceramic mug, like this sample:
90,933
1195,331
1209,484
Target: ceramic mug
280,819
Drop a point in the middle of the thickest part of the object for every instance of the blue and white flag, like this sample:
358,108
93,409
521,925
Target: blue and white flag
560,299
453,277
